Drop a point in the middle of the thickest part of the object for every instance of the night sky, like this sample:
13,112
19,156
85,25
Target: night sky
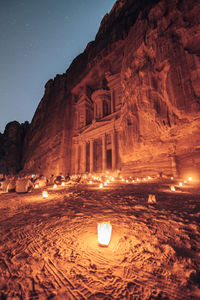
39,39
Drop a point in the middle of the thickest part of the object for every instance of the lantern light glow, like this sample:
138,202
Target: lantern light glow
104,233
45,194
172,188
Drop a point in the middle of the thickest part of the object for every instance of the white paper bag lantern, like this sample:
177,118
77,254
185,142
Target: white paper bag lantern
45,194
152,198
104,233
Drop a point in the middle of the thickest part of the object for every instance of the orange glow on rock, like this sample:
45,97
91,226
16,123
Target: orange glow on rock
104,233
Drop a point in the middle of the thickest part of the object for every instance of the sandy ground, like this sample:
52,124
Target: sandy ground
49,248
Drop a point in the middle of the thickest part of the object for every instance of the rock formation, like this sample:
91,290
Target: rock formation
155,46
11,144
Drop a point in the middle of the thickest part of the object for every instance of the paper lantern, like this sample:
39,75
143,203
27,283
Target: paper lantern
172,188
180,184
37,186
63,184
101,186
152,198
189,178
45,194
55,186
104,233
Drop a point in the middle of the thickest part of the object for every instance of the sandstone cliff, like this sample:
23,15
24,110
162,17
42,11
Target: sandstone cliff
155,47
11,144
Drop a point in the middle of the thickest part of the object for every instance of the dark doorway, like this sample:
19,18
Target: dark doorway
109,159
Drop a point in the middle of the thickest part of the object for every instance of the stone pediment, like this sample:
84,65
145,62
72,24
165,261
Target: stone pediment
84,100
99,93
95,125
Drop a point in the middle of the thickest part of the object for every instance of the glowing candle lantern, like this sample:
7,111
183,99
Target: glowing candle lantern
105,183
133,181
144,179
104,233
190,179
127,181
172,188
55,186
45,194
101,186
123,179
37,186
90,182
172,178
149,177
138,179
185,181
180,184
63,184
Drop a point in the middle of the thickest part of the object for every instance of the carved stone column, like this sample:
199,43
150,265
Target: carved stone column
113,141
101,108
84,145
103,152
91,156
112,101
76,158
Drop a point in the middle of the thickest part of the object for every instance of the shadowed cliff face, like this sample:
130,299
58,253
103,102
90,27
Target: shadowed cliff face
11,142
155,47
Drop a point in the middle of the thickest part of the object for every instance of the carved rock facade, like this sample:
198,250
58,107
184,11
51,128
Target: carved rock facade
131,101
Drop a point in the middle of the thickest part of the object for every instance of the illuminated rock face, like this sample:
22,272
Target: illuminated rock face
153,47
160,79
